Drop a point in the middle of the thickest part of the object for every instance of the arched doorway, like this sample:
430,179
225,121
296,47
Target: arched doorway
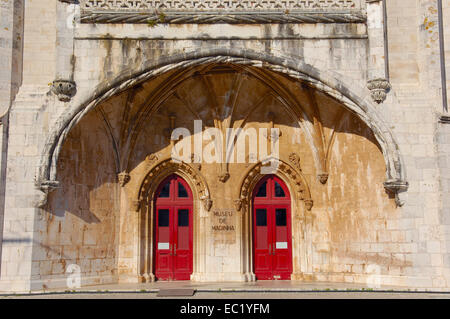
173,235
272,244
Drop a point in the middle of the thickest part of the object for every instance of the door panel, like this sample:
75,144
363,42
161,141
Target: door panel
271,230
173,230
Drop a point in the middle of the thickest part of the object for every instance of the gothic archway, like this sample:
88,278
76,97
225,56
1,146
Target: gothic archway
301,214
144,204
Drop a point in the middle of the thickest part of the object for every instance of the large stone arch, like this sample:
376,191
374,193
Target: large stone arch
356,100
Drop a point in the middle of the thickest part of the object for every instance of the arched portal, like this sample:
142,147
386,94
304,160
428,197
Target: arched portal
173,234
272,244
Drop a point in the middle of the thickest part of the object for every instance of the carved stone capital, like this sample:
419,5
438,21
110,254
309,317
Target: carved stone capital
239,204
123,178
207,203
64,89
378,89
395,187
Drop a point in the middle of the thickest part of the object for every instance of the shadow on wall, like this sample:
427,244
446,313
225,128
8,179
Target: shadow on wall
120,134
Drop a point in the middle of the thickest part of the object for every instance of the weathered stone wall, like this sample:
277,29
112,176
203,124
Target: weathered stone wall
407,245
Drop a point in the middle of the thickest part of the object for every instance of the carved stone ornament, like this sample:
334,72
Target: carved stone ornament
309,203
378,89
207,203
239,204
45,188
64,89
222,11
294,158
323,178
395,187
123,178
224,177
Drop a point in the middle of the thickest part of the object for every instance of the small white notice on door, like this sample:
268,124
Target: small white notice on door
163,246
281,245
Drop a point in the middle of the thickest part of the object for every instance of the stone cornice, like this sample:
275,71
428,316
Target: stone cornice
219,11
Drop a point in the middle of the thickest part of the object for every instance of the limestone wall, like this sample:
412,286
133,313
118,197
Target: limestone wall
406,245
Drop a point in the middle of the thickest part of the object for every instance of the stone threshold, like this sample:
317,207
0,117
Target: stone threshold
238,287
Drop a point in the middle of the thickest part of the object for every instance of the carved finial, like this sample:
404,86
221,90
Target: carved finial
64,89
123,178
378,89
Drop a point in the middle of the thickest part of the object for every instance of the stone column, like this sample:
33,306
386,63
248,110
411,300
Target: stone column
378,77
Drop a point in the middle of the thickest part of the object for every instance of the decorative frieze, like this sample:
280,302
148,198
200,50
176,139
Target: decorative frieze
222,11
219,5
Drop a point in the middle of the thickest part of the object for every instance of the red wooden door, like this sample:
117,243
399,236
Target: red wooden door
272,247
173,230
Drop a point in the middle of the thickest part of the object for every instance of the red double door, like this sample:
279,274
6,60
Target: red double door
173,230
272,251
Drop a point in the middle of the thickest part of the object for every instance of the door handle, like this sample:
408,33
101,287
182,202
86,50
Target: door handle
270,249
170,249
273,253
175,253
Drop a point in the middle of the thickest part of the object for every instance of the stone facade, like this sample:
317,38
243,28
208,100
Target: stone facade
356,88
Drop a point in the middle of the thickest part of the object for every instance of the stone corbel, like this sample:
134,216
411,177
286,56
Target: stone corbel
396,187
323,178
45,188
123,178
65,90
378,89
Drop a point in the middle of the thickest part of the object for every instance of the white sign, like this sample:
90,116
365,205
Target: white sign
163,246
281,245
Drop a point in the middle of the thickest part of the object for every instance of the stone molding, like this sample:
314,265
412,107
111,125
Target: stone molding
378,89
161,169
290,174
45,188
222,11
